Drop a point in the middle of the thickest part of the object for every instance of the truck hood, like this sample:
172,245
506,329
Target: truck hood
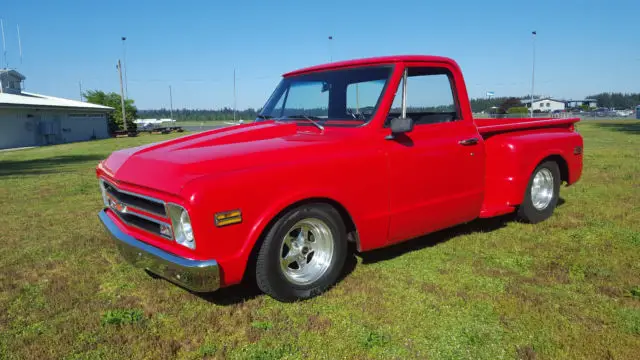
167,166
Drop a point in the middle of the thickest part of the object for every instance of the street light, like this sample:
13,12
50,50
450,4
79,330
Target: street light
533,70
124,60
330,50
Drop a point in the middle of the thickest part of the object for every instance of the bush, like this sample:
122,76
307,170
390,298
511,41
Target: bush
113,100
518,110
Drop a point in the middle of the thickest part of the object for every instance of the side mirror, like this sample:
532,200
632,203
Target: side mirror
401,125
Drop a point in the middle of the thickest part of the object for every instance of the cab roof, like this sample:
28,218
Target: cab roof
370,61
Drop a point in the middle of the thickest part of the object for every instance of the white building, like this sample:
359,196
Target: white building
545,104
28,119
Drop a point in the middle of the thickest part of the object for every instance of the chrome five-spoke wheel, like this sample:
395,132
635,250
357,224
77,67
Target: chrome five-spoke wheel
542,193
303,253
542,189
306,252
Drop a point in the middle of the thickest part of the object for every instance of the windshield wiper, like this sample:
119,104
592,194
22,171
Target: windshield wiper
311,119
264,117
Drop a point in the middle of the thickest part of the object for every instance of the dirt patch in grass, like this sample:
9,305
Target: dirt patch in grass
526,353
523,294
317,323
552,272
611,291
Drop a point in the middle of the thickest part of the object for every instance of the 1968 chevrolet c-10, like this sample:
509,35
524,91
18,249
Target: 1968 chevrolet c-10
372,151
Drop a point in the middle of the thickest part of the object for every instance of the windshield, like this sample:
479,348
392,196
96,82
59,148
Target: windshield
347,97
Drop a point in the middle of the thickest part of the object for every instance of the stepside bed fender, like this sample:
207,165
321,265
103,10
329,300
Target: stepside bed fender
512,157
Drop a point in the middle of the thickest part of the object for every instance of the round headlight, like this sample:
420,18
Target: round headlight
185,226
182,230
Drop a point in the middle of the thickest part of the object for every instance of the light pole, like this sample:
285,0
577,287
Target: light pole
170,103
330,49
124,114
124,60
533,70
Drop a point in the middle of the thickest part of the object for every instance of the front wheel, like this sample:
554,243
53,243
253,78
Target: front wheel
541,196
303,253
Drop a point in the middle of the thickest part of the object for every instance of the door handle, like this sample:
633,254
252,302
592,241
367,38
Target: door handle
467,142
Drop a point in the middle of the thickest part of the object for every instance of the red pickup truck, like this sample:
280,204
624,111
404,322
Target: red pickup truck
372,151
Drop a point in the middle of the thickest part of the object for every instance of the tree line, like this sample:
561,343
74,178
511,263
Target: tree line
199,115
500,105
617,100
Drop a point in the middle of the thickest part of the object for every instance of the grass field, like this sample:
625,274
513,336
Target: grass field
566,288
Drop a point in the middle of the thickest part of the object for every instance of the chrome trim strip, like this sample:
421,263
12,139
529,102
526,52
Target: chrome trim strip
119,215
134,194
195,275
157,201
137,211
145,216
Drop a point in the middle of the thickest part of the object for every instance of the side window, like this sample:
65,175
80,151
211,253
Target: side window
430,97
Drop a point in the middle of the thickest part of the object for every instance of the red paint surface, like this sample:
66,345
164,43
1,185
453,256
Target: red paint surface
393,190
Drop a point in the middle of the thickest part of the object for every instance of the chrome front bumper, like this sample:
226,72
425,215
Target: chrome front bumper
195,275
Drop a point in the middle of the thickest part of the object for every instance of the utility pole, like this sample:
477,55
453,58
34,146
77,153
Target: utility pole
124,115
4,45
330,49
234,95
124,59
533,70
170,103
80,84
19,43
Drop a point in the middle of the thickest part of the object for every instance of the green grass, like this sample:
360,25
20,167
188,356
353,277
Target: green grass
566,288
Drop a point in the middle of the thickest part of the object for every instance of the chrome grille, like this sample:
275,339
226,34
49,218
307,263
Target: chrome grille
137,201
129,207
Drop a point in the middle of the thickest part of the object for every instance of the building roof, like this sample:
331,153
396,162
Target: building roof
31,100
13,73
371,61
527,101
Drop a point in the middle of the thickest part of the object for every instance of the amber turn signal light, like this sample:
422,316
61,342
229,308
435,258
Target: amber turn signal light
228,218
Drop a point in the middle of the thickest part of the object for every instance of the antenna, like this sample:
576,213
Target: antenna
19,43
4,45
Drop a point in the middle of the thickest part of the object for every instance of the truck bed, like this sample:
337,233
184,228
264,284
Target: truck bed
489,126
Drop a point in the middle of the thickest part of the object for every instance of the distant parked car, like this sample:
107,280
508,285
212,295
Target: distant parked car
623,113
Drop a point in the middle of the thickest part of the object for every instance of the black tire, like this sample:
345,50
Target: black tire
270,277
527,212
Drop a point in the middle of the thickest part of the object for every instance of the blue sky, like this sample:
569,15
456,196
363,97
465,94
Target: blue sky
583,47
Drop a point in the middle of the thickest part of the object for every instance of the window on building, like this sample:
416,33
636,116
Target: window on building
541,104
548,104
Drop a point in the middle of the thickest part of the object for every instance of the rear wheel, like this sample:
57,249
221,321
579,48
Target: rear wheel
541,196
303,253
